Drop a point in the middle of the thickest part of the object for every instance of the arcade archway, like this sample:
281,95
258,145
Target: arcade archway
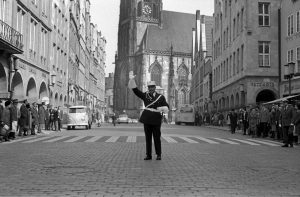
17,86
265,96
56,99
43,90
31,89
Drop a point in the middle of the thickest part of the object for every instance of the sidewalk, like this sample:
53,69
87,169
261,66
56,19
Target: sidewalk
226,128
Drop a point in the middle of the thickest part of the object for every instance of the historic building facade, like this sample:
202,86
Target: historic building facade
11,43
50,50
155,45
202,62
245,53
290,46
109,94
33,19
59,53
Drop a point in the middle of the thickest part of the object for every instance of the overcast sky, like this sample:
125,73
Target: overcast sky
105,13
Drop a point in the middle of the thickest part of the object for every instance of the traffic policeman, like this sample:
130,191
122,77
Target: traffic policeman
151,117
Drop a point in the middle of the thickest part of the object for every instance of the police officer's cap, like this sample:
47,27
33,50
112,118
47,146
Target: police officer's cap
151,83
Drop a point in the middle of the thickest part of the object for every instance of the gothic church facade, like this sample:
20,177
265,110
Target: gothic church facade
157,46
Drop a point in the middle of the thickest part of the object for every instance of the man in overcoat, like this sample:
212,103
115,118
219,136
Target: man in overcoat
151,117
42,117
24,119
286,123
233,120
14,118
35,118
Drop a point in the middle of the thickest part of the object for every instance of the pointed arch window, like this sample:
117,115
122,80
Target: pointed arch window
156,75
182,97
139,10
182,76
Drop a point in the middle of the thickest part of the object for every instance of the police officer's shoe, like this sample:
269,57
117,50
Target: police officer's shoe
158,157
148,158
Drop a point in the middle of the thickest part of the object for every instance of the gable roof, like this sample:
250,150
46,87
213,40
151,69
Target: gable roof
176,31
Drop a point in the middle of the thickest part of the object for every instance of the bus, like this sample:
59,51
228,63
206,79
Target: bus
185,114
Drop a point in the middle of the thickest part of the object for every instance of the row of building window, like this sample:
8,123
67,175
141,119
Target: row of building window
291,58
229,67
229,34
291,24
238,22
263,14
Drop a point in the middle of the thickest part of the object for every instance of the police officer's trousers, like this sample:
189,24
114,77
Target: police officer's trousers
155,131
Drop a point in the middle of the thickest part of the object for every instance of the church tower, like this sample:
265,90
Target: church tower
135,16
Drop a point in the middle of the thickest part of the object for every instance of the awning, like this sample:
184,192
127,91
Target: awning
282,99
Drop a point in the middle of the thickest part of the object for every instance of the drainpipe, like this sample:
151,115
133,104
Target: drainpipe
279,50
10,75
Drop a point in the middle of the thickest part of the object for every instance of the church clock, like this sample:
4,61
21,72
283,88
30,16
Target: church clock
147,10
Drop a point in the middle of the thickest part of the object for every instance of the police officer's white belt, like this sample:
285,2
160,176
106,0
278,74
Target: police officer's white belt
153,110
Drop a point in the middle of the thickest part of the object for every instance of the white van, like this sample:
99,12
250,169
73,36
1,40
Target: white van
78,116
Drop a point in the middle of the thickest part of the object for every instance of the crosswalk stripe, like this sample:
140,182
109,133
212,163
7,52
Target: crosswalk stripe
274,142
131,139
188,140
20,140
227,141
113,139
207,140
262,142
37,139
94,139
56,139
169,139
75,139
246,142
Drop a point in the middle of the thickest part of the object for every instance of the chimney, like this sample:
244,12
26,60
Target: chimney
198,31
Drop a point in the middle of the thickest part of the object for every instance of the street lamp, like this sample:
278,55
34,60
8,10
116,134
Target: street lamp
52,79
290,74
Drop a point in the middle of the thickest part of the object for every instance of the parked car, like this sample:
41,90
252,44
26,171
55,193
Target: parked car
79,116
134,120
123,118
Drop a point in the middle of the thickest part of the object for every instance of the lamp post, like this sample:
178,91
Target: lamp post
290,74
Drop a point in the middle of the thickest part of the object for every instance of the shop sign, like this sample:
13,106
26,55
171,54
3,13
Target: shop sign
263,84
20,64
33,71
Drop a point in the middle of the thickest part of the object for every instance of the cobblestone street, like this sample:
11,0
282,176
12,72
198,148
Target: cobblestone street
84,167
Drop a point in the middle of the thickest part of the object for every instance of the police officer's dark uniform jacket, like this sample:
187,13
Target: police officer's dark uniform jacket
150,115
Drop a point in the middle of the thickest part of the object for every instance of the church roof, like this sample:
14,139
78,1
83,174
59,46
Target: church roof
176,31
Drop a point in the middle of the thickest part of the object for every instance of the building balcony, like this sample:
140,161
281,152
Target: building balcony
10,39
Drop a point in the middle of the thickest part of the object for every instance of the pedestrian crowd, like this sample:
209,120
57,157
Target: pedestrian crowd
27,118
279,121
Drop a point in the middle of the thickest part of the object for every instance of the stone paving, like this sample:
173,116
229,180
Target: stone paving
118,169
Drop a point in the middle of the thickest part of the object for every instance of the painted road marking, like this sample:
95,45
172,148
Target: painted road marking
37,139
169,139
56,139
131,139
75,139
207,140
227,141
113,139
262,142
94,139
188,140
246,142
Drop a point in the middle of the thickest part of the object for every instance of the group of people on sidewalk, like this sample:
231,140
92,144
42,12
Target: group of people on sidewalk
278,121
29,118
